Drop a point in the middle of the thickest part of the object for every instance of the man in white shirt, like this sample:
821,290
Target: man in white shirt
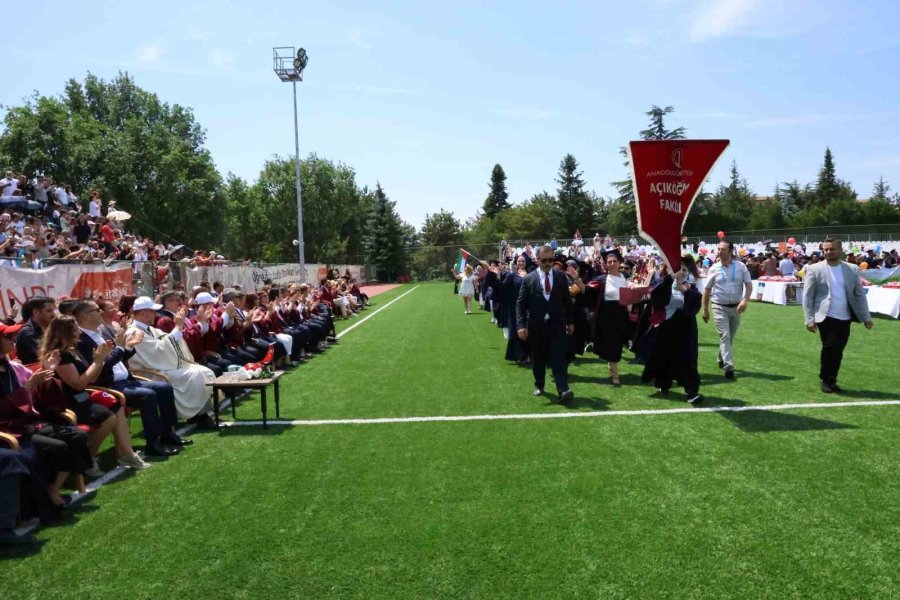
833,297
728,286
9,184
62,197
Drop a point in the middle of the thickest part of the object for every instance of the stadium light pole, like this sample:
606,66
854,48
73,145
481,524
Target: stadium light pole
289,66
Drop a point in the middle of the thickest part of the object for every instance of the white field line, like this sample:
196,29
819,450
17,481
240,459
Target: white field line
568,415
358,323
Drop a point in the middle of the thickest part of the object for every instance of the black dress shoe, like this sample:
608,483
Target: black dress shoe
831,388
205,423
173,439
9,539
159,449
537,392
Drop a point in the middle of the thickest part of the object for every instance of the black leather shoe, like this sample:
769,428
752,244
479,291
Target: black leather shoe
173,439
566,397
159,449
537,392
205,423
831,388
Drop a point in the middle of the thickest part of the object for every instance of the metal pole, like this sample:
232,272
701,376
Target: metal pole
302,253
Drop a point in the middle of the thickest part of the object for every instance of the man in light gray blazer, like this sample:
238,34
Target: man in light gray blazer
833,297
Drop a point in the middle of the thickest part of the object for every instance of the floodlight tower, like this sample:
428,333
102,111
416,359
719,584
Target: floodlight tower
288,65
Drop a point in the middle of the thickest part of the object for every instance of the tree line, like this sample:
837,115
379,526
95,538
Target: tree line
149,156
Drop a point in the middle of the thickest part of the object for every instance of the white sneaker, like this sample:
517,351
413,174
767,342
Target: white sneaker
133,462
94,471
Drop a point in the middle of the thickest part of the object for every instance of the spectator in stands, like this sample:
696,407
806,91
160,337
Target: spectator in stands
59,353
37,313
95,205
82,230
9,184
167,354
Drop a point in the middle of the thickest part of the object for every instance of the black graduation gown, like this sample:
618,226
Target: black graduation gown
516,349
609,328
672,355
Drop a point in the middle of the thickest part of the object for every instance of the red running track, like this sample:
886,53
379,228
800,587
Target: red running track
373,290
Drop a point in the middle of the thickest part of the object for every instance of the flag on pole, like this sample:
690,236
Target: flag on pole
461,257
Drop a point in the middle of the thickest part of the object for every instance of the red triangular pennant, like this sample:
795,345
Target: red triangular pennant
667,176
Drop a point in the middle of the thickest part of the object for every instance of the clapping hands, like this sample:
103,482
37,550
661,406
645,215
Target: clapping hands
38,378
204,313
134,338
52,361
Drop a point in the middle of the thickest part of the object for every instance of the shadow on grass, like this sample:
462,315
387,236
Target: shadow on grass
255,430
867,395
764,421
720,377
17,552
590,403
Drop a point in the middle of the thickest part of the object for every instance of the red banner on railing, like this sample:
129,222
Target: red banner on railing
667,176
75,281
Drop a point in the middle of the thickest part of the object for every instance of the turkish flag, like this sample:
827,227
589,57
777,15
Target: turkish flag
667,176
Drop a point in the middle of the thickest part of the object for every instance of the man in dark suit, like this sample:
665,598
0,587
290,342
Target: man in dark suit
155,399
544,317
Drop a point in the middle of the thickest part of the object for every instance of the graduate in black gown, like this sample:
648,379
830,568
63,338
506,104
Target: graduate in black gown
516,349
489,284
672,353
609,329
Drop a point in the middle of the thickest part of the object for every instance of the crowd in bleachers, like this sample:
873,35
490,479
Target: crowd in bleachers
44,223
73,369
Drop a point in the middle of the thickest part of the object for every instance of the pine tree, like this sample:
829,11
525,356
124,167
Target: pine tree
881,191
827,184
575,208
735,202
385,242
498,199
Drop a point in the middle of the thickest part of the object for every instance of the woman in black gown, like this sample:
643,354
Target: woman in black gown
672,355
610,326
516,349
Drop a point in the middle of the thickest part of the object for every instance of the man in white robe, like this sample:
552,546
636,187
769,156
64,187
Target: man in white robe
168,353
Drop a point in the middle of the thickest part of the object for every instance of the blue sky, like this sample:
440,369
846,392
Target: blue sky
427,97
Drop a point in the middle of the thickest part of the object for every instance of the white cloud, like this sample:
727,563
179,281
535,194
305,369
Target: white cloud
717,18
151,53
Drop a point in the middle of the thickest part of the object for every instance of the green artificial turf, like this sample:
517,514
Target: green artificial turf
765,504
